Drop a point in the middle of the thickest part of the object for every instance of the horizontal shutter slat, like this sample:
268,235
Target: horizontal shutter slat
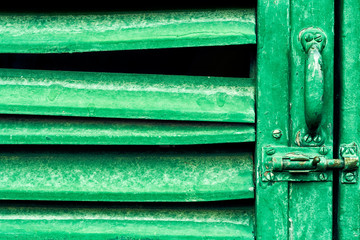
82,32
138,175
69,222
117,95
98,131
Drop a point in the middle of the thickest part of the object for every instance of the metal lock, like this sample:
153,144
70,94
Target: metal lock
305,164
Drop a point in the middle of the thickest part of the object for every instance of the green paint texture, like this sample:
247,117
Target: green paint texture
292,210
272,107
118,95
21,129
349,78
137,175
84,32
65,187
124,222
311,203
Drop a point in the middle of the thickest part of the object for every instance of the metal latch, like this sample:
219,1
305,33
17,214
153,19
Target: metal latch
301,163
305,164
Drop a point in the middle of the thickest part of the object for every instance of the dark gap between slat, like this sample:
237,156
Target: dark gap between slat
222,61
161,205
144,6
203,148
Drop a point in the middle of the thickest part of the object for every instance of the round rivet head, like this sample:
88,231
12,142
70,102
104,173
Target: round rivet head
277,133
270,151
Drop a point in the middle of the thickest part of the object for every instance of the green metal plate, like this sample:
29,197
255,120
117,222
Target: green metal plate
294,175
74,221
127,174
18,129
105,31
117,95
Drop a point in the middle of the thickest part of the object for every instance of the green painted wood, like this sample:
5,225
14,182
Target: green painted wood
29,221
349,65
82,32
117,95
272,113
291,210
17,129
309,210
311,203
298,59
135,175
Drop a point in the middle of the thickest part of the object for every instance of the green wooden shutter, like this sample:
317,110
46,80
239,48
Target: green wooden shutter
348,212
101,155
294,85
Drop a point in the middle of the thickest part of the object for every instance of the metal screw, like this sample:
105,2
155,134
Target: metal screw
317,138
323,150
270,151
277,133
342,151
270,176
307,138
318,37
352,151
309,37
347,150
323,176
350,176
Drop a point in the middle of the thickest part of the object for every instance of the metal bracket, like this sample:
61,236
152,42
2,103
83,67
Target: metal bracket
308,164
296,164
348,153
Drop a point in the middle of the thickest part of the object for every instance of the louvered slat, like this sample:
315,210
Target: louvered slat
116,95
82,32
79,108
80,131
138,175
19,221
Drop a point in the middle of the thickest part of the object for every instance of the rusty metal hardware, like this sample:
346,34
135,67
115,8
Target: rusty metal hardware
306,164
313,41
300,163
348,153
